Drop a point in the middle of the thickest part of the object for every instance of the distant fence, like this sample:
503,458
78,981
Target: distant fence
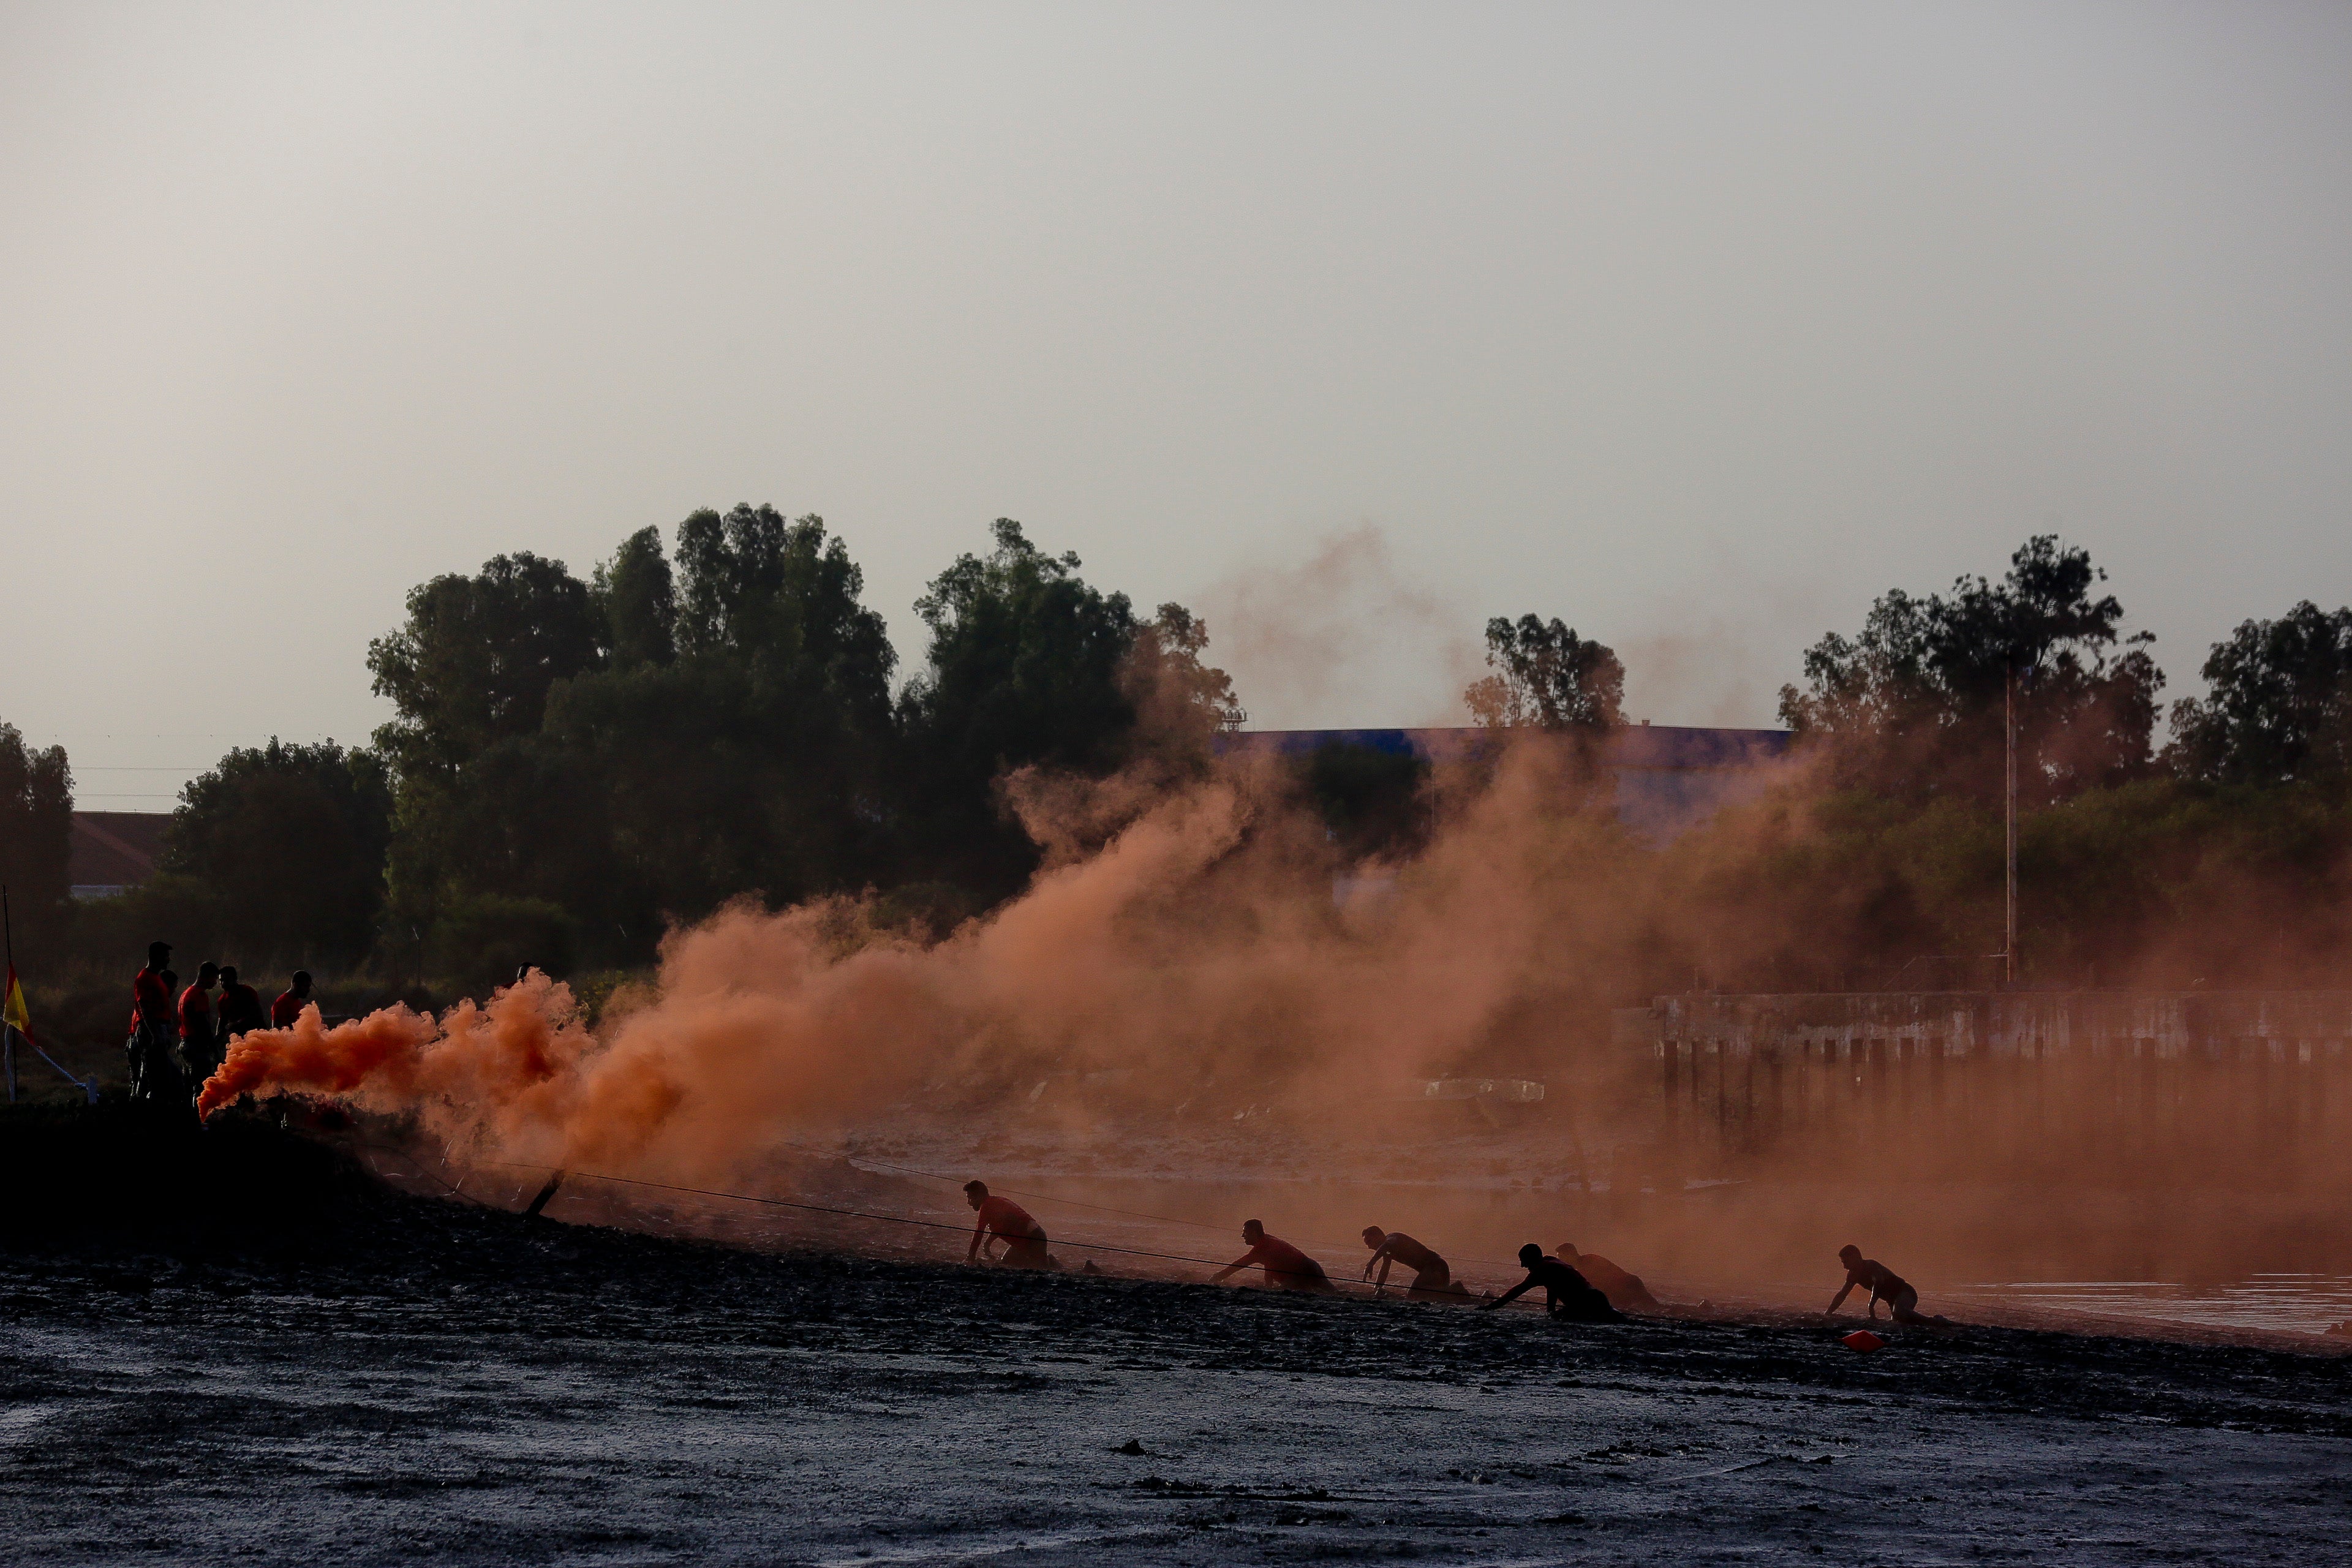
2137,1089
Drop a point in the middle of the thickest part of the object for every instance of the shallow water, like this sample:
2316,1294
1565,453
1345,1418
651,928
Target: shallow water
2287,1303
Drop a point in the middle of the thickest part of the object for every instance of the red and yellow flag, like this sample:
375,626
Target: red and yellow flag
12,1009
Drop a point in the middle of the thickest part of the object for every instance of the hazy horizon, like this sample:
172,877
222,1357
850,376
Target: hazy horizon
1347,327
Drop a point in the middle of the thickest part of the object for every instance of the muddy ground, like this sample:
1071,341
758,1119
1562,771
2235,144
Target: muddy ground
276,1361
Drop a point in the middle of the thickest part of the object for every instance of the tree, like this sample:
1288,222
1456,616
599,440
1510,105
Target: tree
1548,677
637,600
694,733
784,598
779,697
685,729
477,658
469,673
1026,666
36,838
285,846
2278,705
1180,701
1914,702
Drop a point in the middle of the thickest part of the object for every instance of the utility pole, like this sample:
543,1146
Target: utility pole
2008,921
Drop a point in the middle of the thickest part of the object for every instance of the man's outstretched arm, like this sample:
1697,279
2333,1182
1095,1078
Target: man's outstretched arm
1507,1297
1236,1266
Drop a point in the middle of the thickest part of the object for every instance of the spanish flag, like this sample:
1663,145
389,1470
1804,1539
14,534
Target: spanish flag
16,1015
12,1009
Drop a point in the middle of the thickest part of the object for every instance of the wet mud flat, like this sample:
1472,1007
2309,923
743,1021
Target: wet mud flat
430,1382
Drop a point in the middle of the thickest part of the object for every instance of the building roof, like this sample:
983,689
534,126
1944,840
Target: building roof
115,848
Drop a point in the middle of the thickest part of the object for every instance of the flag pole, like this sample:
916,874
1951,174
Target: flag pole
8,1031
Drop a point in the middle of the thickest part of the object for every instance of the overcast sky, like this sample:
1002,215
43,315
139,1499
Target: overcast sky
1348,325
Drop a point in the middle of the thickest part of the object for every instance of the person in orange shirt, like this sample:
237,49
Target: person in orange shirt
199,1031
1008,1222
1286,1268
152,1028
290,1001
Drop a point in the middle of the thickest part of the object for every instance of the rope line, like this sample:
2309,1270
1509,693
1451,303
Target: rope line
417,1165
1017,1192
849,1214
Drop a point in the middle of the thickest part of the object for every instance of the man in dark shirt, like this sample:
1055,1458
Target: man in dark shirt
1625,1291
241,1006
1567,1293
1433,1279
1884,1285
291,1001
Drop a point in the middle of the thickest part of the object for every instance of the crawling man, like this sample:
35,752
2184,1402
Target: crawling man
1567,1293
1004,1220
1432,1280
1625,1291
1286,1268
1884,1285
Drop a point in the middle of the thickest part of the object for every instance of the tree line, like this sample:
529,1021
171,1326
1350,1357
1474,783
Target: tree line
574,763
2221,857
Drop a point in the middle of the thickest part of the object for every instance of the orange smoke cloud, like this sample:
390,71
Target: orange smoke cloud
1199,941
1184,931
504,1071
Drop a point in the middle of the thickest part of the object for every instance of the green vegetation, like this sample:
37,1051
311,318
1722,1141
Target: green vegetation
2225,861
2280,704
1913,704
665,742
1547,676
36,819
575,766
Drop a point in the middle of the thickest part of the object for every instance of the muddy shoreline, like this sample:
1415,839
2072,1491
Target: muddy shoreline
432,1380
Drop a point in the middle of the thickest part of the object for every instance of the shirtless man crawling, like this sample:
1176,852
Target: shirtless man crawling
1001,1220
1884,1285
1432,1280
1286,1268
